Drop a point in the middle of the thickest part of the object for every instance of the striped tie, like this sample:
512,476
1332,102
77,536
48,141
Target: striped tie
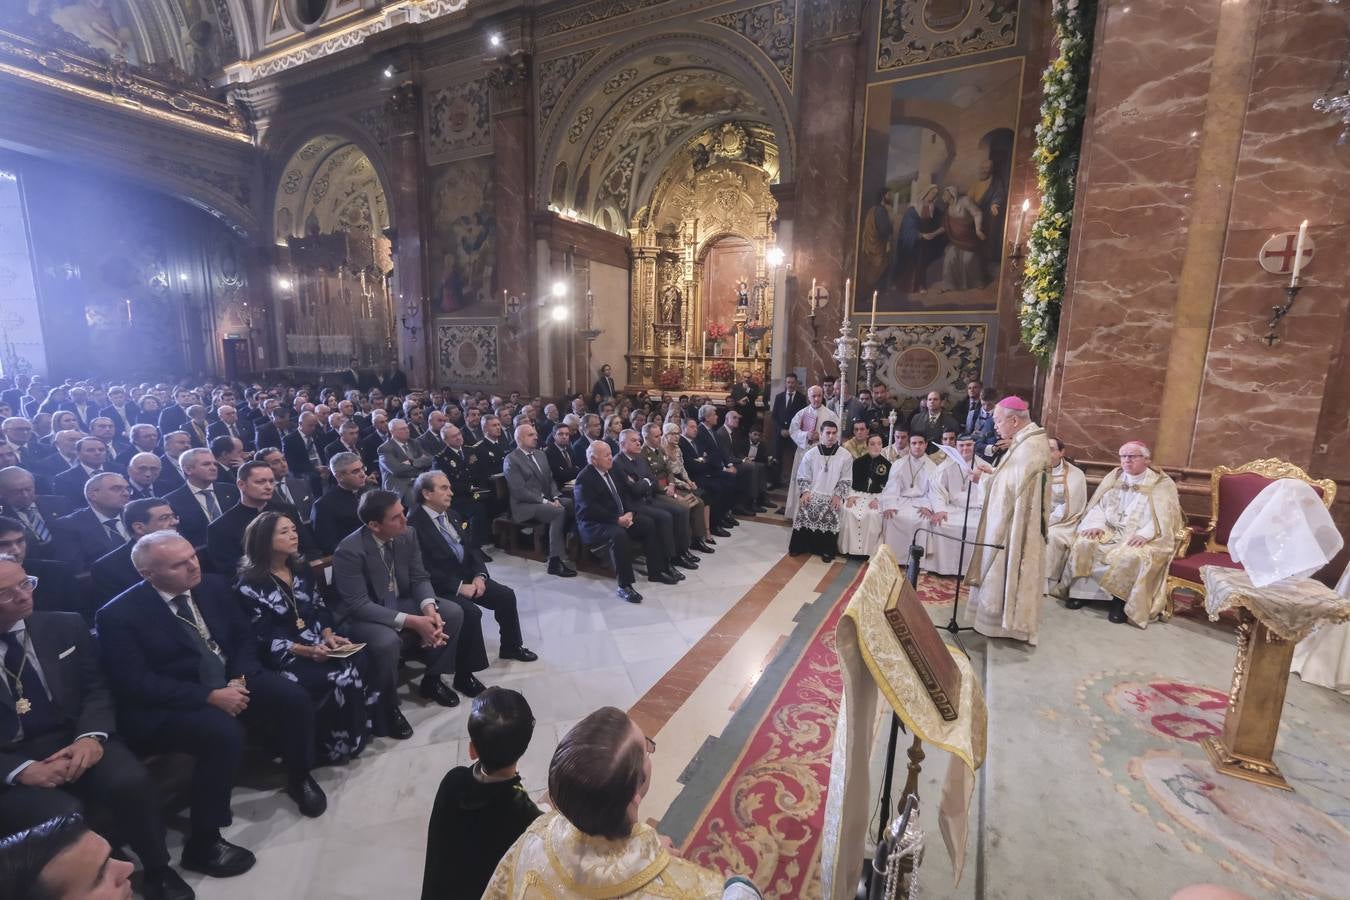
36,525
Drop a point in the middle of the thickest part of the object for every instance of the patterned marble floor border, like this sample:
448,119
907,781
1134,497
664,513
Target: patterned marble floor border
654,708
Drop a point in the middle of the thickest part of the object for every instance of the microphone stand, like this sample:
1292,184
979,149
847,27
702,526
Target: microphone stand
952,626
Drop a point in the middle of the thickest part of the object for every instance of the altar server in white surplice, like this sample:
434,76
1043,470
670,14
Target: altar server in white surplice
822,485
860,521
957,483
1068,497
804,430
1125,541
910,499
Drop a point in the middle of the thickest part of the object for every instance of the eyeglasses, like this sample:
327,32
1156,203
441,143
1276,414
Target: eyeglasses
16,593
651,744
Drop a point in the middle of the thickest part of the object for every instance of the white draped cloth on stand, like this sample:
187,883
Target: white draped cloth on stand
1323,657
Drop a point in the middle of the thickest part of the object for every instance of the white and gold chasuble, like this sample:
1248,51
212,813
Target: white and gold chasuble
553,860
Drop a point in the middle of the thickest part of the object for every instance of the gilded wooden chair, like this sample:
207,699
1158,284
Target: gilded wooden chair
1230,492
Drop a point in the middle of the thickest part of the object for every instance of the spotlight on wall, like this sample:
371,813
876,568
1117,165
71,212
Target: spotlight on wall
388,72
774,257
559,289
284,284
558,312
495,39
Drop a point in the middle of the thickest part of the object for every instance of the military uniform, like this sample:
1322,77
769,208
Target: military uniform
486,458
458,466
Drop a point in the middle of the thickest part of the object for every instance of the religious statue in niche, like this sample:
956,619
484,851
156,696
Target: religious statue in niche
936,164
742,295
671,305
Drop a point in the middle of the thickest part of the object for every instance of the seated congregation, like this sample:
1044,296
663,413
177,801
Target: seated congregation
196,570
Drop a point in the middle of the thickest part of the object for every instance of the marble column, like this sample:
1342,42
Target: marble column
412,307
828,145
513,206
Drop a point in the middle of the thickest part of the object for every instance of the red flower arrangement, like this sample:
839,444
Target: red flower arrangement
721,371
717,331
670,379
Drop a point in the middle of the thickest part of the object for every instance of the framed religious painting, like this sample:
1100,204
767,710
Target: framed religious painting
937,155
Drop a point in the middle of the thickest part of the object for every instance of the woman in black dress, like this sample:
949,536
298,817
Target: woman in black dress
295,630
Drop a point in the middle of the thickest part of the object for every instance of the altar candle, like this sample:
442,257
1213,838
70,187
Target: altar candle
847,283
813,296
1021,220
874,311
1298,253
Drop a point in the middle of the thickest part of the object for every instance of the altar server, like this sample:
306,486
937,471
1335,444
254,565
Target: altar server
1068,497
860,521
822,484
910,498
962,493
804,430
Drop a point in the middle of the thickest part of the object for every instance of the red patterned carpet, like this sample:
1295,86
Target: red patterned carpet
765,818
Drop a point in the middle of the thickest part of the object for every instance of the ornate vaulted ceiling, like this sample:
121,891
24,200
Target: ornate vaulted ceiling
329,185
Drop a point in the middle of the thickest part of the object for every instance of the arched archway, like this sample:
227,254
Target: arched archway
330,221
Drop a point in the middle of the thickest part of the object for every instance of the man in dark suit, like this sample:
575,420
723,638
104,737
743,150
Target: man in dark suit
469,495
227,424
749,475
459,572
173,418
669,517
348,441
385,599
202,499
292,491
58,748
90,455
604,515
86,534
333,516
561,463
183,665
719,469
371,443
473,426
786,405
143,471
932,420
170,475
20,500
112,573
590,432
967,411
19,434
144,439
85,412
351,376
257,492
57,589
230,455
394,380
272,433
122,411
534,497
106,431
301,449
604,388
744,398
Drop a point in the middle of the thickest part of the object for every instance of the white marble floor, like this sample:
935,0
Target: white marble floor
594,650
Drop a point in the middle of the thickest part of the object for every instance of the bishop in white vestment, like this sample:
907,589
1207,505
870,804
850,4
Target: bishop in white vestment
860,521
1125,541
822,484
910,499
1068,497
804,430
962,492
1007,585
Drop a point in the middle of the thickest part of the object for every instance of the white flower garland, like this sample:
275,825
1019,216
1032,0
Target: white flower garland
1058,135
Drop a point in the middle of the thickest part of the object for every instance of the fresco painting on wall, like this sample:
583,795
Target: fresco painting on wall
97,23
462,243
936,159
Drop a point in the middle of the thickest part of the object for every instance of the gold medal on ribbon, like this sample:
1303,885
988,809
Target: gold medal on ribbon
300,624
23,705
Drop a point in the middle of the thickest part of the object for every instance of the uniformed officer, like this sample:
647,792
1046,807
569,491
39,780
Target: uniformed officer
455,461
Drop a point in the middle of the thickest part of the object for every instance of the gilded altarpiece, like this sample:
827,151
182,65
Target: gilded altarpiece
696,322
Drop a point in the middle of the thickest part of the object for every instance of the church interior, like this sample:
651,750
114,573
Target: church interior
1105,227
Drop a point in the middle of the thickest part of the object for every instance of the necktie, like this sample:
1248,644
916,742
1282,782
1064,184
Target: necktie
41,716
212,506
35,523
613,491
111,525
182,610
536,463
285,493
455,546
233,432
388,552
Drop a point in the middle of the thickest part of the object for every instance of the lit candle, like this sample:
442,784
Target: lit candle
847,283
1298,253
813,296
874,311
1021,220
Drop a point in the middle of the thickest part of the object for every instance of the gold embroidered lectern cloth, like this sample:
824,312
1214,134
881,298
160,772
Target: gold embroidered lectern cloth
872,661
1291,608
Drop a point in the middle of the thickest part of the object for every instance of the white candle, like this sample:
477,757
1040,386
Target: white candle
874,311
1026,205
813,296
1298,253
847,284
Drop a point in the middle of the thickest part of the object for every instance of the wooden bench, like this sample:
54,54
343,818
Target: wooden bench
509,535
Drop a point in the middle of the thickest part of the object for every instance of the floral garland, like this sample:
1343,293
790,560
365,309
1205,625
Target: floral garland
1058,136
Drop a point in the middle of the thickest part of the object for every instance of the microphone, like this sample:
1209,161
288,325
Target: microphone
912,570
921,530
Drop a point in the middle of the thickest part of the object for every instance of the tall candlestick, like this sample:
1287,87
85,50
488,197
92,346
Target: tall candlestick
874,312
703,364
847,284
1298,253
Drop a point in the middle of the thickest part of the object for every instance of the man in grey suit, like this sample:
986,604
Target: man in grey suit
401,461
534,496
385,600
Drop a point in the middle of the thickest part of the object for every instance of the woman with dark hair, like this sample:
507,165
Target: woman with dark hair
595,844
295,630
149,414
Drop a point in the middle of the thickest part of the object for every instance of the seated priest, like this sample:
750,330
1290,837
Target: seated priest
822,483
1068,496
962,496
804,431
860,521
911,498
1125,541
333,515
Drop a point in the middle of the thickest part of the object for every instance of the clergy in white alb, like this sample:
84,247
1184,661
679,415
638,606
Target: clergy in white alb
962,493
804,430
910,499
822,484
1125,541
860,520
1007,585
1068,497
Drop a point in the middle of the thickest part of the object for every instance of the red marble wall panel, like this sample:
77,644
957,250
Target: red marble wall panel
1140,150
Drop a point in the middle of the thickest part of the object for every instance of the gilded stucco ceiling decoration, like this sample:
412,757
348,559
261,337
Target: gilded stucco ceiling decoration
720,176
329,185
772,28
636,116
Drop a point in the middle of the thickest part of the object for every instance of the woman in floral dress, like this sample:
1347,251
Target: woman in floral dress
295,630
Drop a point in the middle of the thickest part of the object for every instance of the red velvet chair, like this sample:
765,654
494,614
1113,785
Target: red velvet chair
1230,492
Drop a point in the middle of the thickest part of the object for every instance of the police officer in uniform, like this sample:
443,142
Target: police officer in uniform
456,461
